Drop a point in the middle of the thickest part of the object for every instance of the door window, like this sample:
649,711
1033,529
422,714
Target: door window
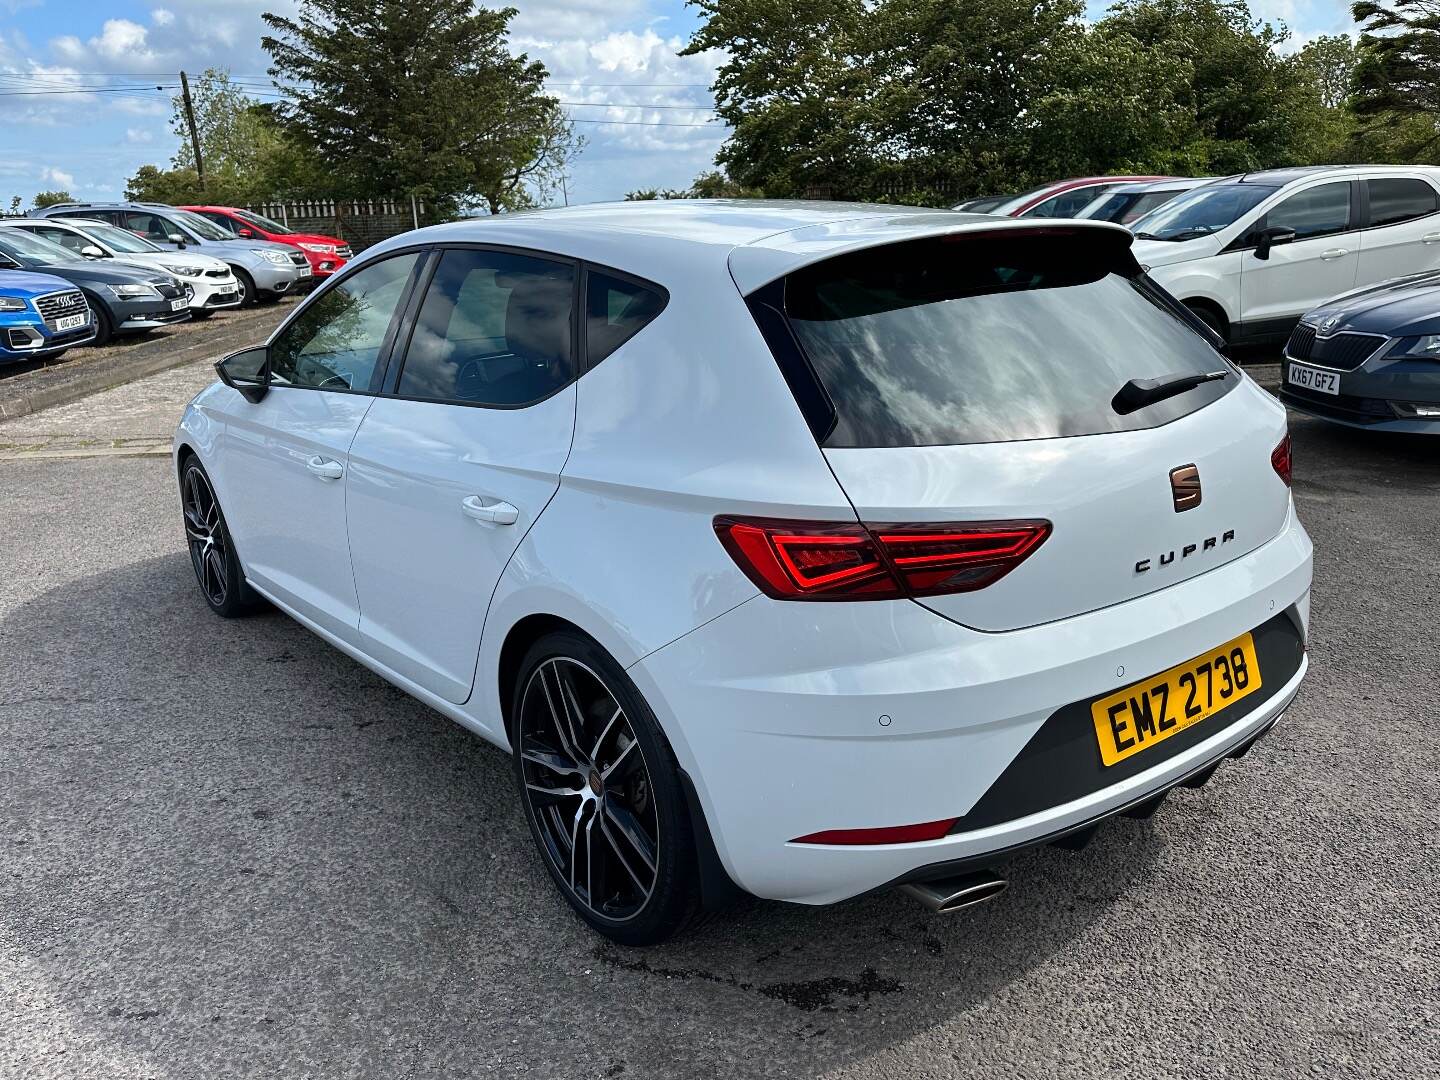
495,329
63,237
615,311
336,341
1400,199
150,226
220,220
1318,211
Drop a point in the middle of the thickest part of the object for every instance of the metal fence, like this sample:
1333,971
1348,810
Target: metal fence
360,222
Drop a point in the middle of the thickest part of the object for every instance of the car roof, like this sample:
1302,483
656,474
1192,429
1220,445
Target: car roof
757,239
1278,178
1175,183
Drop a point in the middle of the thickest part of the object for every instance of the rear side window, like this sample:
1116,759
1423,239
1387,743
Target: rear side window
988,339
1400,199
616,309
1068,203
495,329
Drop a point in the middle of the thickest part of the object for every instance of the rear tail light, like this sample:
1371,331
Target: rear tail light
1280,458
808,560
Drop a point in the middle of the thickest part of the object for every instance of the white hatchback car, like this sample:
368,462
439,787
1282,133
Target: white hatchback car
212,282
805,549
1250,254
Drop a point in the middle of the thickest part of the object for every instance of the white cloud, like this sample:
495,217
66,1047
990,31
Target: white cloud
53,175
138,136
161,17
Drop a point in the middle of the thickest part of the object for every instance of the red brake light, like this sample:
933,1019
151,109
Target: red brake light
894,834
1280,458
806,560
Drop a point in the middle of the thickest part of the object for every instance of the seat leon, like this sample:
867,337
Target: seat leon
799,550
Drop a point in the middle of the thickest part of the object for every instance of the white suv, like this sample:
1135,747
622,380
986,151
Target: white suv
1252,253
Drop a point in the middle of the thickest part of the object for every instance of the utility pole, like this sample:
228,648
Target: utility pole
194,134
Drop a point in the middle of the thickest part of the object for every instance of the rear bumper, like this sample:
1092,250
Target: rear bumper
798,718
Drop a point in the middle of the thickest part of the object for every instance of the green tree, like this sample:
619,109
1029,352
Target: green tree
50,198
1399,69
419,97
878,100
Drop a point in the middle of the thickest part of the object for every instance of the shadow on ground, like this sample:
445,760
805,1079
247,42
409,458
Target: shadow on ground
228,837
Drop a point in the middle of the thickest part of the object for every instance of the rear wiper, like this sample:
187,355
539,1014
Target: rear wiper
1137,393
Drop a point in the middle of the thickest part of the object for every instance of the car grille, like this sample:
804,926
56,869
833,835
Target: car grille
344,252
58,305
1357,410
171,290
298,258
1302,340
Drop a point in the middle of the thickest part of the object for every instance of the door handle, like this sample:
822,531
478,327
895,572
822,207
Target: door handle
496,513
1334,253
1430,238
324,468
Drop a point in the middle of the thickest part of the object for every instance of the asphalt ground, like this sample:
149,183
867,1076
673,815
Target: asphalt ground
227,850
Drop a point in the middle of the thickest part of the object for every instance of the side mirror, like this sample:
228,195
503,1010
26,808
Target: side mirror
176,238
1270,238
245,234
247,371
90,251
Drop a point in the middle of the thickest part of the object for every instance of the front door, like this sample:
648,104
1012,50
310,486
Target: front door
1318,264
449,473
285,459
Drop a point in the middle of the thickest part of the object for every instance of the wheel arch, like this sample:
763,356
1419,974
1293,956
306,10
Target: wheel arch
1212,307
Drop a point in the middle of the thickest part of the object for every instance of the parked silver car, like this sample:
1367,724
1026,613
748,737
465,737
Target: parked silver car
262,269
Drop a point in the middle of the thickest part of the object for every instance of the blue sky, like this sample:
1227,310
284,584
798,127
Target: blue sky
610,60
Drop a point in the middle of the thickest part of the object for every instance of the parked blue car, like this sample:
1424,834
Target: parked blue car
41,316
1370,358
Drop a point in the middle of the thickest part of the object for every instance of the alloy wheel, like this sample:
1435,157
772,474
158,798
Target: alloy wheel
205,535
588,788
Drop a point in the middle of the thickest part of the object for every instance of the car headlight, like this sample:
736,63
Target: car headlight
319,249
132,292
272,256
184,271
13,303
1424,347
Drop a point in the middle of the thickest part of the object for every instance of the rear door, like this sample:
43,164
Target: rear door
1402,234
454,464
973,381
285,459
1319,263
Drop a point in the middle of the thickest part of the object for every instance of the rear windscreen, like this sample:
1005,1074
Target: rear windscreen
1006,336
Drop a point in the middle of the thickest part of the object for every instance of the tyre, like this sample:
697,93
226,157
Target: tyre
212,553
247,287
602,794
1211,319
104,326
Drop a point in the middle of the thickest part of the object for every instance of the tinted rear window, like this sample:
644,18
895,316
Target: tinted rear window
971,340
1400,199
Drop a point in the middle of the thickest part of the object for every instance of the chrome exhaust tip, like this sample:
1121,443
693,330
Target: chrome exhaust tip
952,894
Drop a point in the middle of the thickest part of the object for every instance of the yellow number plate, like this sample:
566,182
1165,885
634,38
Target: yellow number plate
1150,712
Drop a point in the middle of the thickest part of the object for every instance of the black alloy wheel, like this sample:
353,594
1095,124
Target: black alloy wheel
602,793
212,555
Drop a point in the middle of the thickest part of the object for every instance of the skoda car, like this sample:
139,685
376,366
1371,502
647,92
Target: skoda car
212,284
41,316
263,271
752,531
124,299
1370,359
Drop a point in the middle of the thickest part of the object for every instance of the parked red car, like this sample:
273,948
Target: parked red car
326,253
